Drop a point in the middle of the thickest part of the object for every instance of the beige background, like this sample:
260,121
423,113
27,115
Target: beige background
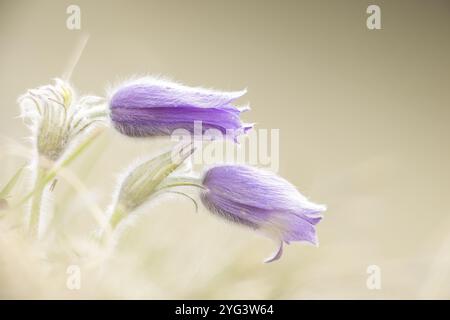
364,127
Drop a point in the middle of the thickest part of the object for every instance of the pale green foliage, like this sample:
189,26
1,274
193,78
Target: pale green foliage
57,117
144,180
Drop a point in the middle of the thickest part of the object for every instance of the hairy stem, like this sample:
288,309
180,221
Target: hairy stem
4,193
36,201
51,174
116,217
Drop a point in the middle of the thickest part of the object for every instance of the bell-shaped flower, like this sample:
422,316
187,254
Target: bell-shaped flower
156,107
263,201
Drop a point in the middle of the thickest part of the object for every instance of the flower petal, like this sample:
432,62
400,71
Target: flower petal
277,255
153,92
164,120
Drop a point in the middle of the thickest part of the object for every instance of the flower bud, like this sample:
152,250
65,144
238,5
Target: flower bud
56,117
155,107
263,201
143,180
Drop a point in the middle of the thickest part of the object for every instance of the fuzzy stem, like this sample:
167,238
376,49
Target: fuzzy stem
36,202
117,216
4,193
51,174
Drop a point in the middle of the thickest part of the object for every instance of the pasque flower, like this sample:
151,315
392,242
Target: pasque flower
156,107
56,116
263,201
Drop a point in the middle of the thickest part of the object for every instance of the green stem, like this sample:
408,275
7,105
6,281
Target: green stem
117,216
11,183
51,174
36,202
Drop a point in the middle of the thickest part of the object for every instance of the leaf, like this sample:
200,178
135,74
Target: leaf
5,192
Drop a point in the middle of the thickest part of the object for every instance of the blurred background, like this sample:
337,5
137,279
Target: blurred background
364,126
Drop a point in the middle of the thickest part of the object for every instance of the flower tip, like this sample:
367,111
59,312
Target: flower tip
277,255
244,108
315,242
185,152
239,93
188,149
248,127
314,210
319,208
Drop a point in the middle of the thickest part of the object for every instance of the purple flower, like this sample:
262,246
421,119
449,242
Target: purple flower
155,107
263,201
